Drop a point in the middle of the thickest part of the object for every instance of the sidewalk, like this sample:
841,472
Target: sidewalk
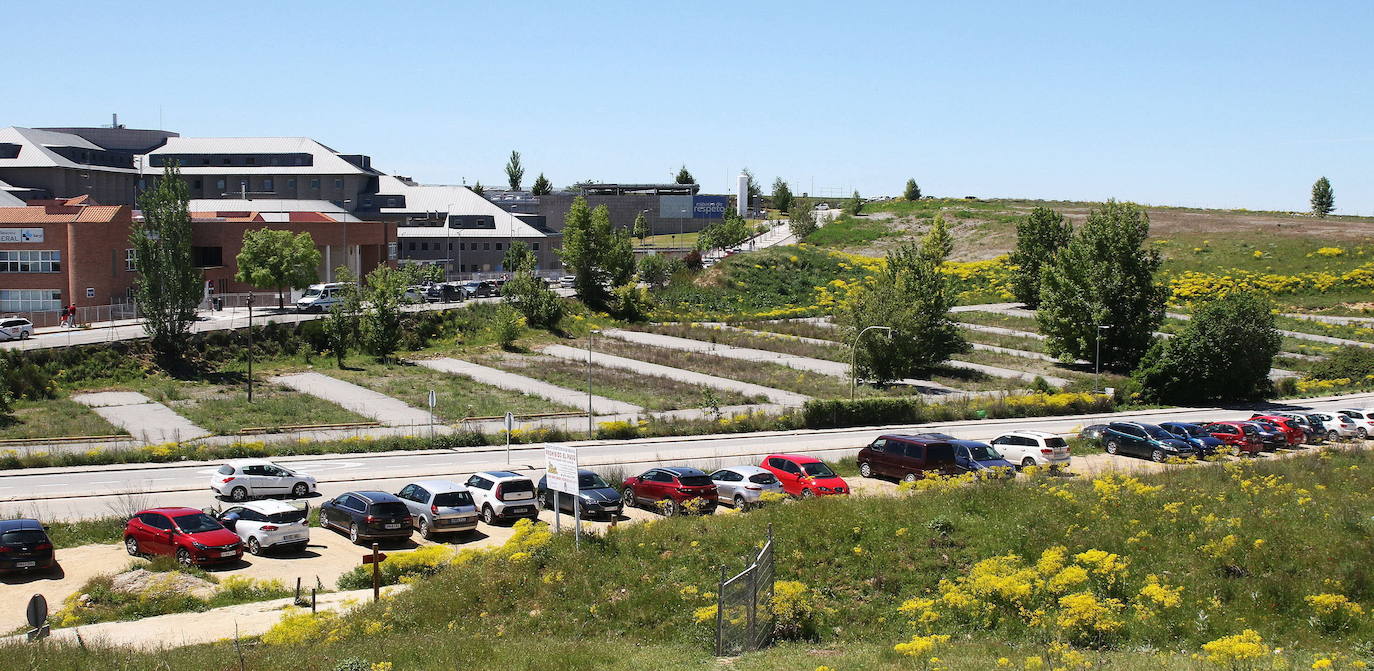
525,385
777,396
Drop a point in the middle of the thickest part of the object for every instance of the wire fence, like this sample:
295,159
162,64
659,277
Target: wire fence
744,616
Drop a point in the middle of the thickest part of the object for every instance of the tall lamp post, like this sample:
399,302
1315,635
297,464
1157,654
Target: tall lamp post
250,344
854,356
1097,358
591,421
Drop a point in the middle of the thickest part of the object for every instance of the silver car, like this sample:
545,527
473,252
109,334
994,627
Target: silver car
439,507
741,486
1337,426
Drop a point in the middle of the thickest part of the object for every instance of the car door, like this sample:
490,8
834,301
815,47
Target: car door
158,540
656,485
238,513
276,480
334,512
481,490
726,484
1009,449
963,458
417,503
794,474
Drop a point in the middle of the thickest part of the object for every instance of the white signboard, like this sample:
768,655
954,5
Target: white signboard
561,463
21,235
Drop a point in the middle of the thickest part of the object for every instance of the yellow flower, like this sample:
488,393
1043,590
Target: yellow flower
920,645
1241,647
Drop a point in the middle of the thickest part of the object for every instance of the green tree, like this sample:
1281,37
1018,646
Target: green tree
656,269
730,230
421,273
5,397
937,244
751,186
782,195
912,191
1104,277
641,227
801,219
381,320
541,307
341,326
684,177
854,205
912,297
632,302
169,286
479,189
542,186
599,255
1351,362
519,257
515,173
274,259
1223,354
1323,199
1038,236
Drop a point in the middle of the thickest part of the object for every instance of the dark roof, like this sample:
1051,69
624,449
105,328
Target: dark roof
12,525
504,474
682,470
376,497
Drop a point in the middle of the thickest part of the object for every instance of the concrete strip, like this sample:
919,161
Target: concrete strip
1333,319
364,401
776,396
1002,331
144,419
1300,335
1008,373
1038,356
527,385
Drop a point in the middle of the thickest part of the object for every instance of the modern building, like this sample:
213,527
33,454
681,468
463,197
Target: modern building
46,165
668,208
59,252
455,227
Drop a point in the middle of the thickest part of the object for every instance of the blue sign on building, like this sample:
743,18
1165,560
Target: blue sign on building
709,207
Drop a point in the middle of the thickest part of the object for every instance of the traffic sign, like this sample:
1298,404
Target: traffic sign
374,558
433,400
37,612
510,422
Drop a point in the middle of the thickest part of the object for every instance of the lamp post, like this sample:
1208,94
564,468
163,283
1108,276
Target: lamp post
1097,358
250,345
591,421
854,356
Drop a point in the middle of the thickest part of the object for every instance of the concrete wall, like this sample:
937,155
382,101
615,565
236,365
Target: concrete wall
471,255
554,208
107,188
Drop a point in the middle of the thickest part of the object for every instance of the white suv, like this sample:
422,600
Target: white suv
15,328
1364,420
264,525
242,479
1033,448
502,495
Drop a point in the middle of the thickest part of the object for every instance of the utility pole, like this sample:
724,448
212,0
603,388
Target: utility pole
1097,360
250,345
591,421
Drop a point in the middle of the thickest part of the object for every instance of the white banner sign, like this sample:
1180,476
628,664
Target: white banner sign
21,235
561,463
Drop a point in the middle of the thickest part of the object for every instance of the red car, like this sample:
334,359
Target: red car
1291,431
670,488
1239,435
185,533
804,476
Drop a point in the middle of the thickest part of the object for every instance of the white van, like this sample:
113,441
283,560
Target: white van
321,297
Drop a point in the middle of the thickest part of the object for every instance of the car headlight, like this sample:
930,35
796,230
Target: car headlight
200,546
826,489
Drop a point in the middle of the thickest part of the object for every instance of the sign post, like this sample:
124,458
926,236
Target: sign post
37,614
510,426
375,559
561,469
433,400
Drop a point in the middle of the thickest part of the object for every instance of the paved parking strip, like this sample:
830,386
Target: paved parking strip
777,396
527,385
364,401
143,418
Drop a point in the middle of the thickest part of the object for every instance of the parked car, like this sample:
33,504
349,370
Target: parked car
1338,426
1093,433
1292,432
567,281
188,534
906,457
1364,421
598,497
480,289
502,495
1145,440
1240,435
1033,448
804,476
242,479
15,328
268,525
1312,429
366,515
25,546
445,292
414,294
670,488
1205,443
321,297
439,507
741,486
1271,437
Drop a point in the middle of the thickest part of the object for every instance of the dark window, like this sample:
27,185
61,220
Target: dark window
452,499
267,184
940,452
291,183
250,160
314,183
196,183
219,184
156,521
338,183
1055,442
914,451
878,445
207,257
450,246
658,476
694,481
23,537
287,517
486,246
390,509
763,478
498,246
535,246
412,246
517,486
727,476
409,493
424,246
197,523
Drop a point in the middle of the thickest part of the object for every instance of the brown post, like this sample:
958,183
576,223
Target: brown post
376,574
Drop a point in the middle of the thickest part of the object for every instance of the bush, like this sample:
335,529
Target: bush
1223,354
1350,362
507,327
836,413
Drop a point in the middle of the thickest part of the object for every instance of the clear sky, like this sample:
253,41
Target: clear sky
1218,104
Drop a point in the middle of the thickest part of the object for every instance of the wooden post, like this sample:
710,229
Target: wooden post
312,600
376,575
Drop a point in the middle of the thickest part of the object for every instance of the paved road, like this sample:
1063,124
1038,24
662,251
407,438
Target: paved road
99,491
512,382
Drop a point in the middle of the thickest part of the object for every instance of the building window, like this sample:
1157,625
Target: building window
219,184
30,300
450,246
267,184
315,183
225,160
412,246
498,246
196,183
250,160
535,246
424,246
486,246
129,259
338,183
291,183
207,257
35,261
205,161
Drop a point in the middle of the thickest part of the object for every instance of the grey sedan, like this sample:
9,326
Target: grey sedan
439,507
741,486
599,498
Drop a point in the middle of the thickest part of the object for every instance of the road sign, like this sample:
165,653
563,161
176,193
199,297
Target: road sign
433,400
374,558
37,612
510,422
561,464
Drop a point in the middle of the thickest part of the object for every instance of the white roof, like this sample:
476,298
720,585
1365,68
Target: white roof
270,506
450,200
271,209
326,161
8,199
34,149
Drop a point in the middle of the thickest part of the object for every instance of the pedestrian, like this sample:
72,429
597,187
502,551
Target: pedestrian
71,315
63,323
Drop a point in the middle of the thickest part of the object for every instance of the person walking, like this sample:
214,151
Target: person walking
63,322
71,315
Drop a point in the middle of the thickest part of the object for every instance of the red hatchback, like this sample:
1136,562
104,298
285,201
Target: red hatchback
185,533
1239,435
804,476
672,490
1291,431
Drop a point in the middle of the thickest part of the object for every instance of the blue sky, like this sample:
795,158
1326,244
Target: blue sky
1218,104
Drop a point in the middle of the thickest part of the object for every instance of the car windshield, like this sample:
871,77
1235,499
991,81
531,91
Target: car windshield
452,499
1157,433
312,291
390,509
197,523
818,470
982,452
695,480
23,537
1190,430
287,517
763,478
591,481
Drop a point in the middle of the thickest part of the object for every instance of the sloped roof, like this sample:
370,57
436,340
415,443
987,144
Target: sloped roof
326,161
34,149
62,214
452,200
8,199
269,210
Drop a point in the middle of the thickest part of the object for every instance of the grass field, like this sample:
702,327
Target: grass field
227,410
458,396
52,418
688,240
646,391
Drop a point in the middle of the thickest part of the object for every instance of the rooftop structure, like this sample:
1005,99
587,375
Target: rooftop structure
645,189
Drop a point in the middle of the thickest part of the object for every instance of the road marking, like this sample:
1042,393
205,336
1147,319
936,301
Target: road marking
105,482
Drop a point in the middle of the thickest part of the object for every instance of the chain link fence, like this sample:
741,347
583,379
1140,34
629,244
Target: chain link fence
744,618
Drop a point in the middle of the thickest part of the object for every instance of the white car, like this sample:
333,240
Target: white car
268,525
1337,425
741,486
1364,420
242,479
502,495
15,328
1033,448
567,281
321,297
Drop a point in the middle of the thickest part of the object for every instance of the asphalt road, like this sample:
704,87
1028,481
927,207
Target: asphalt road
87,492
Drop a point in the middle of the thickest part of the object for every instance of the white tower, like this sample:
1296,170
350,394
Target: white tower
742,195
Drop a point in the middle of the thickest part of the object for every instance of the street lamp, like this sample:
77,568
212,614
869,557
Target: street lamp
854,356
250,345
591,424
1097,358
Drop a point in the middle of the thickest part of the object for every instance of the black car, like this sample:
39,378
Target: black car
480,289
367,516
445,292
1093,433
25,546
598,496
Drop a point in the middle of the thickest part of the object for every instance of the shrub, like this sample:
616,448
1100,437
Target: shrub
1350,361
797,608
507,326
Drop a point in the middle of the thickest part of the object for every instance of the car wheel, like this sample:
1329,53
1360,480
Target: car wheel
627,498
488,515
353,533
669,507
184,557
300,490
808,494
866,470
1157,456
24,335
1332,436
1364,435
131,545
1027,462
1112,447
238,494
909,477
424,528
254,547
740,503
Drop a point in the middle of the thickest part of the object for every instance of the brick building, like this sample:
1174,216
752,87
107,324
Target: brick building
59,252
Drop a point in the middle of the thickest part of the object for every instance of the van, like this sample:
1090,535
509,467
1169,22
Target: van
321,297
906,457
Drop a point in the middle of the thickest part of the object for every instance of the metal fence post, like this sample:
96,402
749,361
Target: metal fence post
750,643
720,615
